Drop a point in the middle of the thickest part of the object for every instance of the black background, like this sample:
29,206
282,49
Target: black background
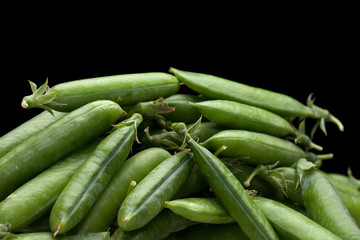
295,58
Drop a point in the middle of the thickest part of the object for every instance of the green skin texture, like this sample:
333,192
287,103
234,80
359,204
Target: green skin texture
125,89
210,232
291,224
347,193
59,139
105,210
203,210
220,88
256,148
324,205
147,199
50,236
36,197
232,194
90,180
27,130
161,226
183,111
236,115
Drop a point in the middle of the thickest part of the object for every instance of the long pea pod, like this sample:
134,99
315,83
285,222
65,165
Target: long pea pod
27,130
49,236
232,194
219,88
36,197
59,139
203,210
259,148
322,202
292,225
87,184
147,199
161,226
234,115
106,208
125,89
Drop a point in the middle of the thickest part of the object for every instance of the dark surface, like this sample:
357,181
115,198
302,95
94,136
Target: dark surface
295,61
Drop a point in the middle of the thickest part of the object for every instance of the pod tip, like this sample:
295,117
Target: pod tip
57,230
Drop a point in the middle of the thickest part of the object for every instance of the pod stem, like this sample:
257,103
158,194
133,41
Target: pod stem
337,122
259,169
325,156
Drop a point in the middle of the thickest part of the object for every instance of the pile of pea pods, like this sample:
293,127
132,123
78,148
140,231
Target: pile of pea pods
132,157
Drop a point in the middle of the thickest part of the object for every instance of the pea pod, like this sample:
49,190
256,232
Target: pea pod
27,130
183,112
204,210
161,226
36,197
56,141
232,194
147,199
234,115
125,89
259,148
219,88
49,236
322,202
90,180
105,209
291,224
230,231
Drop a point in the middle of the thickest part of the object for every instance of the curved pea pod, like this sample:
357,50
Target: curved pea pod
234,115
232,194
219,88
323,203
203,210
90,180
161,226
291,224
36,197
106,208
346,183
147,199
183,111
27,130
259,148
230,231
59,139
125,89
49,236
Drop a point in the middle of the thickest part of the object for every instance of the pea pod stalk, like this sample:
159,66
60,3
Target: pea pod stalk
220,88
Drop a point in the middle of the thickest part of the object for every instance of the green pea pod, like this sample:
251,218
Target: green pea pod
219,88
344,183
204,210
183,111
194,184
105,209
161,226
232,194
147,199
125,89
49,236
323,203
36,197
90,180
59,139
352,203
234,115
291,224
210,232
259,148
27,130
